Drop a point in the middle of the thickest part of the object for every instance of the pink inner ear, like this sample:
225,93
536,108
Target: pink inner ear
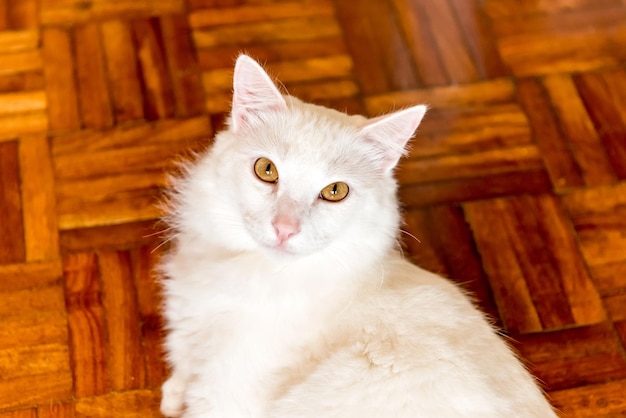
254,92
390,133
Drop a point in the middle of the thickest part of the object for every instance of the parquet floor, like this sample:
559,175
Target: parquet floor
516,184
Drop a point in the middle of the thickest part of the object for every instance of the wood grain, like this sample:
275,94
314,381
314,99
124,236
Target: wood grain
514,186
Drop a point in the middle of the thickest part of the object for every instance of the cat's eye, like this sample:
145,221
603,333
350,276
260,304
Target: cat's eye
335,192
265,170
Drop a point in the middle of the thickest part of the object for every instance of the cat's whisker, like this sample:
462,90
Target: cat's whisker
410,235
161,245
163,231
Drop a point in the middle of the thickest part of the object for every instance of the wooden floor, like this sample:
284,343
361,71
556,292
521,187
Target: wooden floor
516,185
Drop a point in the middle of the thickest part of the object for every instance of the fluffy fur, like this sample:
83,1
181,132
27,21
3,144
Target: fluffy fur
281,304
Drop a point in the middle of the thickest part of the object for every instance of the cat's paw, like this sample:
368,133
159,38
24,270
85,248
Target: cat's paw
172,400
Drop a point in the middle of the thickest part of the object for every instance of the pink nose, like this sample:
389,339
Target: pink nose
285,227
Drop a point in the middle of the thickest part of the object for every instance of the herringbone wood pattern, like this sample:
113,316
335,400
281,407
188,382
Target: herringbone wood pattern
515,187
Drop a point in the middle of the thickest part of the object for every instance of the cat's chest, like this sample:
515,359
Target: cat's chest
243,290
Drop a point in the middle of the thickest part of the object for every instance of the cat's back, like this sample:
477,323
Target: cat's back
415,346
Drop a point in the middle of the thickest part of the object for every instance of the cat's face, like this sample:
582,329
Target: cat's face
304,181
293,179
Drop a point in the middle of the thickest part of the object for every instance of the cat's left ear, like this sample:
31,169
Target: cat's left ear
390,133
254,93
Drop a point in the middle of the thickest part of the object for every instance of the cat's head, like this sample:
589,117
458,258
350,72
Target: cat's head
291,178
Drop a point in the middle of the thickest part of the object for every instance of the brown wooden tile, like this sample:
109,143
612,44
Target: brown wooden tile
382,66
86,324
68,12
541,259
11,229
60,83
563,170
120,56
514,185
594,401
125,358
129,404
94,96
605,100
38,199
583,140
574,357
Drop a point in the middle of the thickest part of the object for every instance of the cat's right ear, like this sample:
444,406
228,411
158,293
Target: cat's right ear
254,93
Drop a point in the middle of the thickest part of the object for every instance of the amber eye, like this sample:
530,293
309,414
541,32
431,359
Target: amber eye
335,192
266,170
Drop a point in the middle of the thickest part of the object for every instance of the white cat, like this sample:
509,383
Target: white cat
285,291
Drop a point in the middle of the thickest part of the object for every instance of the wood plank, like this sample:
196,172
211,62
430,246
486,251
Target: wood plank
507,277
605,99
128,404
609,278
504,9
159,133
149,302
30,275
598,215
19,40
121,236
562,168
459,190
86,324
488,92
224,56
469,165
112,162
420,39
93,89
38,199
22,124
259,13
158,94
577,42
450,41
295,29
582,139
20,413
183,67
11,228
567,294
22,102
594,401
125,358
60,84
479,37
20,303
120,54
69,12
616,307
471,129
574,357
25,81
377,46
35,389
47,327
19,62
56,410
44,359
133,206
23,14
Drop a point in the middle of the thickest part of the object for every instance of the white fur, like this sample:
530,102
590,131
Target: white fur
332,322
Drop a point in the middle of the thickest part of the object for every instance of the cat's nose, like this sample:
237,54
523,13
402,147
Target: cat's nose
285,227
